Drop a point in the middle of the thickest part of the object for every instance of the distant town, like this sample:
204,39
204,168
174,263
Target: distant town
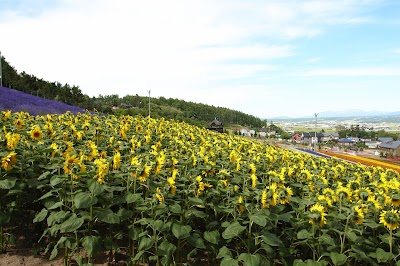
330,124
376,136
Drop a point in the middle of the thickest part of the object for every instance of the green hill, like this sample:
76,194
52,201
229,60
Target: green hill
194,113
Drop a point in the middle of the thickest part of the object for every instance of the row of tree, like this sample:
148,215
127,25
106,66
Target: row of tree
193,113
36,86
363,133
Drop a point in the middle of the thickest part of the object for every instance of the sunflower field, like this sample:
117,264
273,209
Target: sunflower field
162,192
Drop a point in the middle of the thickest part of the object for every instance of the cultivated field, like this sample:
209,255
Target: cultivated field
91,189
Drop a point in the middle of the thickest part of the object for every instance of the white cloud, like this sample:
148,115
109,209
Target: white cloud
176,48
355,72
313,60
245,52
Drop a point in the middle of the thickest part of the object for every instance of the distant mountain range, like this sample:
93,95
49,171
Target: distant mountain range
356,112
346,113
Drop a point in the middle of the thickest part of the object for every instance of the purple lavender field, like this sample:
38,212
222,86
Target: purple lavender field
17,101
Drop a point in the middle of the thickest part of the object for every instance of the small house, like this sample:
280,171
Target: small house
244,132
346,142
385,139
309,137
262,132
371,144
296,137
391,147
216,125
327,136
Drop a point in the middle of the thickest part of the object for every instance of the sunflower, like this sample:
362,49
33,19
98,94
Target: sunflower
223,172
359,214
122,134
238,165
372,201
362,193
68,149
72,159
232,156
205,160
241,206
133,145
285,193
264,203
253,178
12,140
94,150
159,196
135,161
317,214
343,193
290,171
273,193
252,169
282,174
116,160
82,166
147,137
103,154
158,144
353,184
270,196
273,174
19,123
101,170
73,129
171,181
390,219
194,159
36,133
174,162
328,192
69,162
202,185
54,146
160,161
9,161
6,115
393,195
139,128
306,175
145,173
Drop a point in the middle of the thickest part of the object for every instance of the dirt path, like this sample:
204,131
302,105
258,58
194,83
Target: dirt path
25,258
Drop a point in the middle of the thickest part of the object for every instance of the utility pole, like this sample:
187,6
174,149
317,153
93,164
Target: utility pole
315,140
149,102
1,73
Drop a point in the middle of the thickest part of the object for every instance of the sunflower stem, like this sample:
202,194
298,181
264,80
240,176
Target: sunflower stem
249,237
343,239
1,240
390,241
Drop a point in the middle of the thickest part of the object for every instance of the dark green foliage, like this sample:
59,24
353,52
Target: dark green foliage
364,133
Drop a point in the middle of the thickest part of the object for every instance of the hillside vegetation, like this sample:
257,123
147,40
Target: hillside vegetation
19,101
190,112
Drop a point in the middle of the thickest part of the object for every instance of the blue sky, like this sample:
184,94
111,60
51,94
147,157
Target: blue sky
267,58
